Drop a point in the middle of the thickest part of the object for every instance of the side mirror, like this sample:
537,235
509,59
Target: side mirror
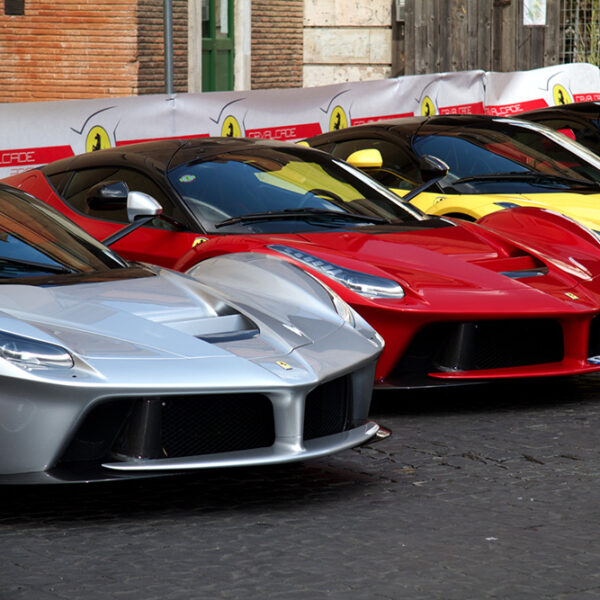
432,167
369,158
141,205
109,195
432,170
141,209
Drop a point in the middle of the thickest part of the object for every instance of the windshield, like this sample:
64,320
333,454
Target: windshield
509,157
282,190
583,127
36,241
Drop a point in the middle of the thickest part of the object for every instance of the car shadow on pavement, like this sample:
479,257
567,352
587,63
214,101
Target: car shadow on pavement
209,491
513,395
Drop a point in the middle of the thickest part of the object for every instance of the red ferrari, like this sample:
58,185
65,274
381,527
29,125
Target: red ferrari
515,295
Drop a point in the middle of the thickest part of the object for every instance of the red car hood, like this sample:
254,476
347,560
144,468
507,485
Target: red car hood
440,265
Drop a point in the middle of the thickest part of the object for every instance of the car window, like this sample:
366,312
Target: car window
35,240
476,156
398,168
468,157
77,192
268,180
586,133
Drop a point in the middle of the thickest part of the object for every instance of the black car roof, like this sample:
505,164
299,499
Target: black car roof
575,108
161,154
408,126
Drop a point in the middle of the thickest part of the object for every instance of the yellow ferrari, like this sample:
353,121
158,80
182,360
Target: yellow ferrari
493,164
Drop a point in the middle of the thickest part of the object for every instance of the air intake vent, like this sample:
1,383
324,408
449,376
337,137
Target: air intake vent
477,345
327,409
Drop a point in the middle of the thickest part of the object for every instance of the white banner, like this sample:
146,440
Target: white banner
508,94
33,134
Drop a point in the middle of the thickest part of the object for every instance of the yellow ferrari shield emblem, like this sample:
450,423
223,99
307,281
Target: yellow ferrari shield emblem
231,127
560,95
338,119
427,107
97,139
284,365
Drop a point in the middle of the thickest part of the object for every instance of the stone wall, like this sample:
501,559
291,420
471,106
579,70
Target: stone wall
346,40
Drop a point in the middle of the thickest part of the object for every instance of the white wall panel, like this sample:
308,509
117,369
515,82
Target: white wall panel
365,46
344,13
315,75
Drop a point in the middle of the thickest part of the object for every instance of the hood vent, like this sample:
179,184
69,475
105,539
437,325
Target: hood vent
526,273
516,267
224,328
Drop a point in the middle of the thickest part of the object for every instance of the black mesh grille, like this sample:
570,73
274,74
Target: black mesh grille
477,345
193,425
178,426
327,409
594,341
175,426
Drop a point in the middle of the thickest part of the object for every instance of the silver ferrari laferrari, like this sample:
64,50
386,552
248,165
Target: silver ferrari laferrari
111,369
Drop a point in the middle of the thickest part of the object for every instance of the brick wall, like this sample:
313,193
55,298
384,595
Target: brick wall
151,46
74,49
68,49
277,33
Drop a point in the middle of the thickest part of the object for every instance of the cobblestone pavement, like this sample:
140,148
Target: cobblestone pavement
484,492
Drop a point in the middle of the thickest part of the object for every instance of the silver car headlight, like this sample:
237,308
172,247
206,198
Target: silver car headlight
364,284
33,354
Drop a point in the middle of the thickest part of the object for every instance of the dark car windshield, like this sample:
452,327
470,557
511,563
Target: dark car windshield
510,157
583,127
266,190
36,241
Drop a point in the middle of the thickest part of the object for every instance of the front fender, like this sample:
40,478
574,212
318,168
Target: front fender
550,235
280,290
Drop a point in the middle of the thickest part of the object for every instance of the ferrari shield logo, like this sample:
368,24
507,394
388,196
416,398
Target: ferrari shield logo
231,127
97,139
427,107
560,95
571,295
338,119
284,365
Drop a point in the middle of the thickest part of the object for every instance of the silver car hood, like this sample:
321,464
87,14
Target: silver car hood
167,315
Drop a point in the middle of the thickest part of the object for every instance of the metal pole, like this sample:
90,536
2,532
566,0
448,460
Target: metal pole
168,46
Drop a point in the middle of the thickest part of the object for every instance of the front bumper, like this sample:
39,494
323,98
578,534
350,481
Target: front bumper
122,436
281,451
442,352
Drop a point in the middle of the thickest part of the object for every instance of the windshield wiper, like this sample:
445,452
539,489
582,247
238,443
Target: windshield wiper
174,222
301,213
527,176
32,265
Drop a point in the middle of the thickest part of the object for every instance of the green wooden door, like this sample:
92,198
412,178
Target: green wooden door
217,45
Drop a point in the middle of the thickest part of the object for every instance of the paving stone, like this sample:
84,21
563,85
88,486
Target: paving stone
489,492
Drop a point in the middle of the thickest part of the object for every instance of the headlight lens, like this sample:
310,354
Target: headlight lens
33,354
364,284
